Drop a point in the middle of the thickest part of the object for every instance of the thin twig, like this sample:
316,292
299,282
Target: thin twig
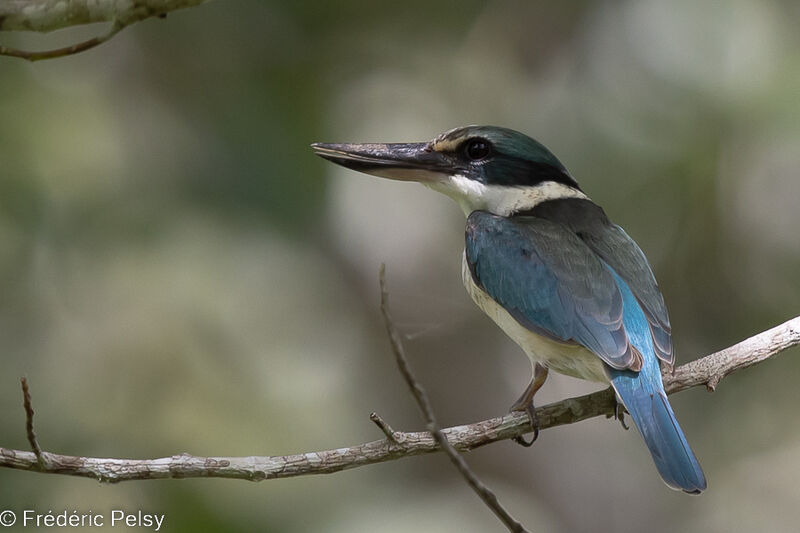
48,15
28,405
465,437
483,492
44,16
116,27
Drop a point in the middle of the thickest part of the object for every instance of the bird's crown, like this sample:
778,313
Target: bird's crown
495,155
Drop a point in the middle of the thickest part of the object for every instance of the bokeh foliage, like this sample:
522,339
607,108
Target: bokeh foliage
180,273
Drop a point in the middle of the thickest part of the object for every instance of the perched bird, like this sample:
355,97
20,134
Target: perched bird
570,287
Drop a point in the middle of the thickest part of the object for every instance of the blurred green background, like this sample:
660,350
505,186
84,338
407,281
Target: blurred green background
180,274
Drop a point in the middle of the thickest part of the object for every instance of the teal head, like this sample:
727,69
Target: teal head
481,167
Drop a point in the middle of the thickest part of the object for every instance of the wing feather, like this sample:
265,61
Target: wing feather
549,280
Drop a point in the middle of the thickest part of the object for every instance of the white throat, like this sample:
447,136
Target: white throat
501,200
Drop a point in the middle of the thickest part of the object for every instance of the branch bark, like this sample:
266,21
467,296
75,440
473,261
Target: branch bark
706,371
48,15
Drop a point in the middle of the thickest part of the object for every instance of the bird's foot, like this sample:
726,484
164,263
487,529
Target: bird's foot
525,404
531,411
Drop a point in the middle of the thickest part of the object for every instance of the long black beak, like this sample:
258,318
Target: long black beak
397,161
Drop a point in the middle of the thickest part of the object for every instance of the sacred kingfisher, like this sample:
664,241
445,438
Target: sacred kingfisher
569,286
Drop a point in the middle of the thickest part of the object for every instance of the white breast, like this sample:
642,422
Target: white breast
570,359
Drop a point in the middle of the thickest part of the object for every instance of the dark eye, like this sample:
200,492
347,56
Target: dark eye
477,149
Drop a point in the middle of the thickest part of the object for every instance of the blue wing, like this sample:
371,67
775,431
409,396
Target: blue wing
550,282
610,242
556,285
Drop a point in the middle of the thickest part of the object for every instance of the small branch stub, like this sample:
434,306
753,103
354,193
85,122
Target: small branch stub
28,405
385,427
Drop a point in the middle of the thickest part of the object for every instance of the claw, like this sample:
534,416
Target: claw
619,414
531,411
526,443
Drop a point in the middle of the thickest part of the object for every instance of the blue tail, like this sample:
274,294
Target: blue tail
656,422
643,395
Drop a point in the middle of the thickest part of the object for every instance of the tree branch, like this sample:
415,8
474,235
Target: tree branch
710,370
706,371
48,15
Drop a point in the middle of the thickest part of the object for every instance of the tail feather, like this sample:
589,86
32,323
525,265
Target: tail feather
643,395
651,412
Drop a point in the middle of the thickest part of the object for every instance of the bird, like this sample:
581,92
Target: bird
548,266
